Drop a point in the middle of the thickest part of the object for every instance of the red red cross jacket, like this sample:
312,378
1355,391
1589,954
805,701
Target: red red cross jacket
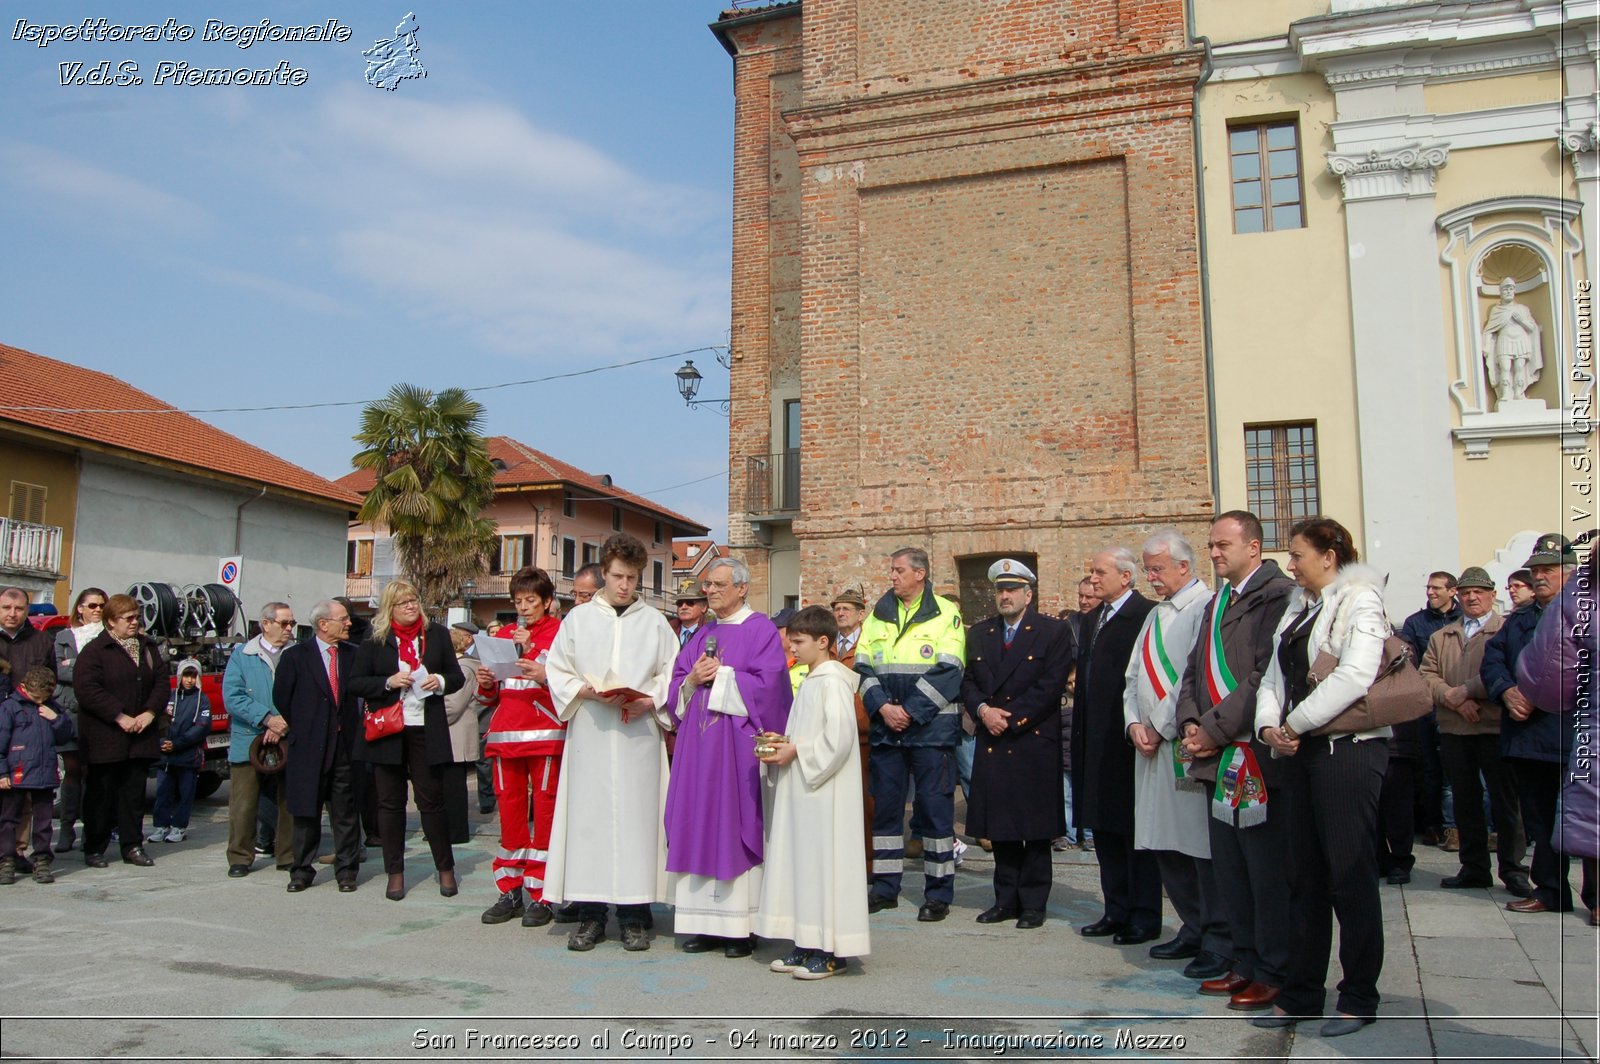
524,722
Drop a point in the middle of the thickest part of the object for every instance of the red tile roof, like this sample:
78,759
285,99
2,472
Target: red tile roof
155,430
525,466
681,558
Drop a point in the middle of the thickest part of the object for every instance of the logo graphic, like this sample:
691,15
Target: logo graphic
230,572
927,650
393,61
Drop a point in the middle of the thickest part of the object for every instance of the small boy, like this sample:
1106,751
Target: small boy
815,849
31,725
183,755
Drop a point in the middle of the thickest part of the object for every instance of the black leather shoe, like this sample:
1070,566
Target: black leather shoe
932,912
588,934
238,871
1030,919
95,860
1207,965
347,886
702,943
1340,1026
1398,877
735,948
506,907
877,903
1463,881
537,914
1520,888
137,856
1102,928
396,889
998,914
1175,949
1133,936
297,885
566,914
447,883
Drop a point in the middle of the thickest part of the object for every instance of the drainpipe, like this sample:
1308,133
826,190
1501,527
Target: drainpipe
238,521
1205,263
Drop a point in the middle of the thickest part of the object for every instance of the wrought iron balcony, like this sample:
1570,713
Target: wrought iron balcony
28,548
772,483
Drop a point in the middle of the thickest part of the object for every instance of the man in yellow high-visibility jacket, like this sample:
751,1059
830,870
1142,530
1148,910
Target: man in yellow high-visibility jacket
911,656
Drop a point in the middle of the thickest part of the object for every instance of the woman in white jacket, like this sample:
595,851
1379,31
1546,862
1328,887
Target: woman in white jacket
1337,611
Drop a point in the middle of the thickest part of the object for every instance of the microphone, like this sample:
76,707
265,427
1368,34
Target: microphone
711,647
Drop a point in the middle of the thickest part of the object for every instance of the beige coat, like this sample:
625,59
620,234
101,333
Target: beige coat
461,713
1452,662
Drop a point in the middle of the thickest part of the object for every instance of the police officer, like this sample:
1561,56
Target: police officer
1017,669
910,657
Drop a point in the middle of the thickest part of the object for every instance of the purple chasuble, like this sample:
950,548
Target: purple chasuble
713,814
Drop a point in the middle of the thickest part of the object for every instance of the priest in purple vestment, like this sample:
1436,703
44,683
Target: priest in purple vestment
729,684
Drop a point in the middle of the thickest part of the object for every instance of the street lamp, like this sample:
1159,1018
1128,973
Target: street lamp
689,380
467,588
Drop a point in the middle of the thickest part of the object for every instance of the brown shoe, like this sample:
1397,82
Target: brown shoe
1527,905
1451,843
1594,917
1225,986
1254,998
988,847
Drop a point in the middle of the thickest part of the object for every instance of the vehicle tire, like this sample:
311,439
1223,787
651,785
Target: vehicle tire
206,785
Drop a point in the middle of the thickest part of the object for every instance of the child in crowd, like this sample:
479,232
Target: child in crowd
815,846
183,755
31,725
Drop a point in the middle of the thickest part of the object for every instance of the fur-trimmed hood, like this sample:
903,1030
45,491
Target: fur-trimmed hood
1338,596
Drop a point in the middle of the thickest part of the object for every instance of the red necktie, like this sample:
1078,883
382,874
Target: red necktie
333,671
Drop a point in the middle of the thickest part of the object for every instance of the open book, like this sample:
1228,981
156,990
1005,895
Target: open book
612,684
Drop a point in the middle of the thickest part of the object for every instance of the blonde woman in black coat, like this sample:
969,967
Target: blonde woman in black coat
403,647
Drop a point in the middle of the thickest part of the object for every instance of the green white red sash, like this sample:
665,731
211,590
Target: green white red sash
1240,787
1158,668
1219,681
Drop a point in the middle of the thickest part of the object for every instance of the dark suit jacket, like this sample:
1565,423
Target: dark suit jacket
1016,775
1247,643
375,663
1102,757
317,724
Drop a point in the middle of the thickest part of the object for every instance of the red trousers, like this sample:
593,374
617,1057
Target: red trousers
524,786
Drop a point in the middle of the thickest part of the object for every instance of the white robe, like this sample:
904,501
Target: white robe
813,890
607,841
1166,818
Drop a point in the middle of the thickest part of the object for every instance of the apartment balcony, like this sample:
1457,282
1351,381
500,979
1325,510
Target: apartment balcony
31,550
772,490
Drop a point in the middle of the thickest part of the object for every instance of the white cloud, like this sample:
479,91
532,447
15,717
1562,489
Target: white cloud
91,195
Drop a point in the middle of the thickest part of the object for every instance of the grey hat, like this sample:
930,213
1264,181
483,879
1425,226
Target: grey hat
1475,576
1552,548
467,627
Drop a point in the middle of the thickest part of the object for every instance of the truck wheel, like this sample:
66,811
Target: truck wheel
206,785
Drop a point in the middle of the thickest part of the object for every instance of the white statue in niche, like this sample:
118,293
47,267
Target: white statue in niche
1511,350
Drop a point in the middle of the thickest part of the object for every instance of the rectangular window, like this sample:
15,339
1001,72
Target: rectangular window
591,553
658,532
1281,477
515,552
27,502
569,505
1264,166
569,558
655,576
616,519
358,558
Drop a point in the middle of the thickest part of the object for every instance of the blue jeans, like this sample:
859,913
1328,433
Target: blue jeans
1066,792
964,755
174,797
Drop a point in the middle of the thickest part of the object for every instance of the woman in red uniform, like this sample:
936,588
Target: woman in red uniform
525,741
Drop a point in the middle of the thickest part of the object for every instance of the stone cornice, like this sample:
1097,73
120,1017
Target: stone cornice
1405,170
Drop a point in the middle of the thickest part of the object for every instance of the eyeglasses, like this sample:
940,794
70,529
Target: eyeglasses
408,602
283,624
92,606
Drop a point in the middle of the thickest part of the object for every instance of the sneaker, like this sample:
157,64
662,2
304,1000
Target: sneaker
1451,843
960,855
507,907
635,939
177,834
792,963
41,871
158,835
820,965
263,850
8,871
587,936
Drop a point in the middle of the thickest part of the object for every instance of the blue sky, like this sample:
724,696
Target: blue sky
554,195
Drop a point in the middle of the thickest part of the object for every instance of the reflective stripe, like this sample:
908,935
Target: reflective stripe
528,854
935,869
948,710
888,842
950,659
532,883
932,693
887,865
939,845
893,669
552,735
868,683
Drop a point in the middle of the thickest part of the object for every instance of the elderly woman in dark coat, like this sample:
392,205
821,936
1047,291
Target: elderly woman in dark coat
122,687
389,668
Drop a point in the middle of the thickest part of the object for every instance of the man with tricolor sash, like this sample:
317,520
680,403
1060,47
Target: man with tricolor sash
1171,807
1249,824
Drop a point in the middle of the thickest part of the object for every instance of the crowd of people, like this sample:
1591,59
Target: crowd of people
1210,743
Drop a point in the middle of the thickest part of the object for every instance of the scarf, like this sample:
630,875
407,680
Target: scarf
131,645
411,642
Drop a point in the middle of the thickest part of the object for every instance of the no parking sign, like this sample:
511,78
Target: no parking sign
228,571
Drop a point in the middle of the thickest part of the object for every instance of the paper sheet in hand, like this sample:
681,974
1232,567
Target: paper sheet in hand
612,684
499,656
419,674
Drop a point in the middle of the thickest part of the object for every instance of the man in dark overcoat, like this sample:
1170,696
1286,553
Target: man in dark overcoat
1102,757
310,692
1017,665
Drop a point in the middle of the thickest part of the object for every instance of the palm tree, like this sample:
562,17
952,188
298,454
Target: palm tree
433,479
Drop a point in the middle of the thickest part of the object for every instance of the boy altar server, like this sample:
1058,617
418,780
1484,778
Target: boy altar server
815,847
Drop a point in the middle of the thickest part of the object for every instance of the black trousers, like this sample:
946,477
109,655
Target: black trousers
1428,784
1539,791
1336,875
1022,874
113,796
1191,886
627,915
1130,881
1465,758
454,779
1396,823
1252,869
338,791
427,784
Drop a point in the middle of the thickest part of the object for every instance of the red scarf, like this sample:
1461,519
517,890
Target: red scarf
410,640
